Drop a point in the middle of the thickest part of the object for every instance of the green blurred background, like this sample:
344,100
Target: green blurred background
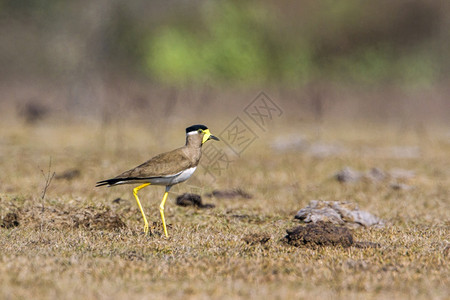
320,59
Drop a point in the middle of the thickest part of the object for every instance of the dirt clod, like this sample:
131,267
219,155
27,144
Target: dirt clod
319,234
10,220
192,200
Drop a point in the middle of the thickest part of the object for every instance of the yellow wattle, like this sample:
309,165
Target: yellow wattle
206,135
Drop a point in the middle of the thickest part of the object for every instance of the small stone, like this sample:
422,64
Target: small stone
347,174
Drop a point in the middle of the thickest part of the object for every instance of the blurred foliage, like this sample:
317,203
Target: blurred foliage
229,47
235,42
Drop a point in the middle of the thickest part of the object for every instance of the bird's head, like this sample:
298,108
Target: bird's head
202,131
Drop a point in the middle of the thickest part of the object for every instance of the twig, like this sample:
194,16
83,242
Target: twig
48,179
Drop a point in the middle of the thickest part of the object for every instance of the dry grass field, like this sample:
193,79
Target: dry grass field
81,242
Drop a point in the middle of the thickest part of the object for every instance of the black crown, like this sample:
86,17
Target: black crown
195,128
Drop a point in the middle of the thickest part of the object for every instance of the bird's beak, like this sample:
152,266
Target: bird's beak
208,136
213,137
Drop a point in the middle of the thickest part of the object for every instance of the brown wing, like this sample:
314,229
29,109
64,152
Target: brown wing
168,163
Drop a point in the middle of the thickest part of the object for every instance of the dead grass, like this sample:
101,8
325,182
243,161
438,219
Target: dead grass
84,245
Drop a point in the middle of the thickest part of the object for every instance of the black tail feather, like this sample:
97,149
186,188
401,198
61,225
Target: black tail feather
108,182
116,181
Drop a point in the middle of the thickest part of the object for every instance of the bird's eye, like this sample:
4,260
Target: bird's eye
200,131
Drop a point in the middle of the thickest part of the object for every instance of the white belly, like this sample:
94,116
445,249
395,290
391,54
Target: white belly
173,179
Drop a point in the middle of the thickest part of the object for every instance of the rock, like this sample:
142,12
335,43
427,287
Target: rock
319,234
350,213
325,214
337,213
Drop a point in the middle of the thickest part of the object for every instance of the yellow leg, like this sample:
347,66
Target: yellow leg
161,209
135,191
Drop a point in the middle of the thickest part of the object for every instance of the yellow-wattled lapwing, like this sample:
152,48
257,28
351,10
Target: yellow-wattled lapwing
166,168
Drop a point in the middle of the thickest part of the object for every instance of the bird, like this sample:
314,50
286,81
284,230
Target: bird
168,169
